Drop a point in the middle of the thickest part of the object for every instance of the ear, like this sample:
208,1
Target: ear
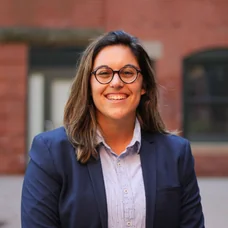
143,91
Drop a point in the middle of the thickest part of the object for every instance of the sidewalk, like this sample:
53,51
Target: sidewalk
10,194
214,194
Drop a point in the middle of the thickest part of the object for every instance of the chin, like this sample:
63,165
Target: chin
121,116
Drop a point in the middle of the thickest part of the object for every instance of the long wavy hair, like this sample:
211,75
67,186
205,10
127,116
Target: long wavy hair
79,114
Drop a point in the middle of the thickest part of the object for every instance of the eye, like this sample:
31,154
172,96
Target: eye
104,72
128,72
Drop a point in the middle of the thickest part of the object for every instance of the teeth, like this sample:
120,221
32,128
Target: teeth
116,97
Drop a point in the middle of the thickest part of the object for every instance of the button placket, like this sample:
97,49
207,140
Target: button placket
127,200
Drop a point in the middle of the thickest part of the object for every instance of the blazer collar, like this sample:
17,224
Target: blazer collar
96,175
148,163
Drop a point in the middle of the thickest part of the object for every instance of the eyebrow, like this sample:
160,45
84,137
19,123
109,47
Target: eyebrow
120,68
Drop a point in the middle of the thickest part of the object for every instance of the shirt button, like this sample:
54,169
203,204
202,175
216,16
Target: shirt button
128,223
125,191
118,164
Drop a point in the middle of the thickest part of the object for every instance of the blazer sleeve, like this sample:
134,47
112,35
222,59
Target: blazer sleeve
191,208
41,189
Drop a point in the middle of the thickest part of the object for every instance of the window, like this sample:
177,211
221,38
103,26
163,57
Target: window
206,96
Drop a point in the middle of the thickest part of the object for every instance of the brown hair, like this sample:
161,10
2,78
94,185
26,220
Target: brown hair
79,115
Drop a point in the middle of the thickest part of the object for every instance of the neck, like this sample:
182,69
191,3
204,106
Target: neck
117,133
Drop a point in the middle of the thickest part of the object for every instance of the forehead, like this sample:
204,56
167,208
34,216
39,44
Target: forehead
115,56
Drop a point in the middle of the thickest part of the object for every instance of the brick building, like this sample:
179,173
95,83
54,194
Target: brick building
188,42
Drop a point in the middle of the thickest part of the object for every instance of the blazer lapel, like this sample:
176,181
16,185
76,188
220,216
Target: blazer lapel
148,162
96,175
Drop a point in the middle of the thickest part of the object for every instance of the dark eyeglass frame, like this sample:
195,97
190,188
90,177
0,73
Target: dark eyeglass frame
116,71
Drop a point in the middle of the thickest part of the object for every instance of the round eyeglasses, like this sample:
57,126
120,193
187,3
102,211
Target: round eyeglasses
127,74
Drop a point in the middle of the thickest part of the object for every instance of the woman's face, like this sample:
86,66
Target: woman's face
116,100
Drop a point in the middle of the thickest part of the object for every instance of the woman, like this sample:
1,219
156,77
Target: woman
113,164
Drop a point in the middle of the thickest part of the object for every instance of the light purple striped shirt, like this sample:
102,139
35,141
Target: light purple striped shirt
124,185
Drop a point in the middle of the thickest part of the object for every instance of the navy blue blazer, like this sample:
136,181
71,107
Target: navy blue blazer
58,191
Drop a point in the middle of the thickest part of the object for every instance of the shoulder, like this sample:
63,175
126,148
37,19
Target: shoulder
173,141
171,145
57,135
54,141
52,150
170,148
174,151
168,141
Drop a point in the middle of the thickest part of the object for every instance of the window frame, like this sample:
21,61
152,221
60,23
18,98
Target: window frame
206,57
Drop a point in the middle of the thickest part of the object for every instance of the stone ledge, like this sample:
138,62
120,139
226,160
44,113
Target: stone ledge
211,159
211,165
46,36
209,148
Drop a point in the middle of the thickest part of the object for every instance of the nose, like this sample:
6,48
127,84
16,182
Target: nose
116,81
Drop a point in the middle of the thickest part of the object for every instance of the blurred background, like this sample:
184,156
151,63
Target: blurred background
40,44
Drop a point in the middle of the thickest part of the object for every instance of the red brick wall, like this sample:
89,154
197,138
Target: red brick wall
52,13
13,72
183,27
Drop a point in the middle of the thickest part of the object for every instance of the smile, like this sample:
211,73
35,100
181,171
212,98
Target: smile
116,96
